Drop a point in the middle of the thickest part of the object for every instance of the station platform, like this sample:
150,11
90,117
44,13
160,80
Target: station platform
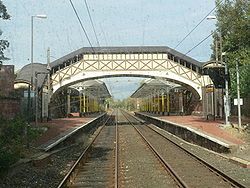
58,129
210,127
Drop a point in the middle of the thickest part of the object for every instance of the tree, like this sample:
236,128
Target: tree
233,22
3,43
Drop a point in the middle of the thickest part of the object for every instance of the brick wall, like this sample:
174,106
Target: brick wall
7,78
10,109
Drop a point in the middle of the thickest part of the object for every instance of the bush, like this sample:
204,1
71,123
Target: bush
12,131
13,140
7,158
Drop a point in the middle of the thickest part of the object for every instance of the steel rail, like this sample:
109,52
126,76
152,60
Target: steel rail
172,172
116,150
227,178
68,179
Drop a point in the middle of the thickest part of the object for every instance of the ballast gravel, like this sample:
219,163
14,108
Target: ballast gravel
48,175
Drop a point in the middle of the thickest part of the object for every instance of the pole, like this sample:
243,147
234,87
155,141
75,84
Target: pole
216,51
84,103
214,102
28,105
238,94
68,103
80,106
48,76
227,107
214,92
220,92
162,103
168,103
36,99
32,72
31,53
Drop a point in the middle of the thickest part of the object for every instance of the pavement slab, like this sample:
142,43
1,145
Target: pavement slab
60,125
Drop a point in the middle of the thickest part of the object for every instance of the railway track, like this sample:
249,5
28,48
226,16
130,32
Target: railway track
126,153
187,168
138,166
96,166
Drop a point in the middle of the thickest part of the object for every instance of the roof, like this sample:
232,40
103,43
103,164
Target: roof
25,74
153,86
125,50
95,88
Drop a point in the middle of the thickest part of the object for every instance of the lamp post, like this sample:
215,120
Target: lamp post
238,94
36,94
31,59
226,99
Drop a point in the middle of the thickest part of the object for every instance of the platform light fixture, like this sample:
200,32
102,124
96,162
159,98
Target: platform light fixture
42,16
211,17
226,99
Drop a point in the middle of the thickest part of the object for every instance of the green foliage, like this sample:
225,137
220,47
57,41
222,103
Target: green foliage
7,158
13,141
233,22
3,11
3,43
129,103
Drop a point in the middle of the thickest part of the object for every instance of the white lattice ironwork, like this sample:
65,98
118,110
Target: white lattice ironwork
98,65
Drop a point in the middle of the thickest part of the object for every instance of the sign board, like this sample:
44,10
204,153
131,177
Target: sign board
217,75
210,89
236,101
32,94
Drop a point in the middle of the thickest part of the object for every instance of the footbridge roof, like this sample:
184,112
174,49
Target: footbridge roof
74,56
94,88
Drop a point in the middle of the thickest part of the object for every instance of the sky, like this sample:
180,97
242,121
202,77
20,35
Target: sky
117,23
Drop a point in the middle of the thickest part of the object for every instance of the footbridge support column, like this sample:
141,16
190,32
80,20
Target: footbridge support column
162,103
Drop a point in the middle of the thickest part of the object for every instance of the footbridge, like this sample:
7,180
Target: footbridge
50,83
152,62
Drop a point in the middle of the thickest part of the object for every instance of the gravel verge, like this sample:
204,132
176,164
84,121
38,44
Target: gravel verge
217,160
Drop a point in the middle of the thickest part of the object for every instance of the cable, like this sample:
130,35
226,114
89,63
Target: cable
105,38
86,4
81,25
198,24
199,43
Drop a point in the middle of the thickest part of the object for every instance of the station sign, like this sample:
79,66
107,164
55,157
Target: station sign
236,101
209,89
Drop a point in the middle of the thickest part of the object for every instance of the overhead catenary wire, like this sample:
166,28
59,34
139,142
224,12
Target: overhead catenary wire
212,33
81,24
92,23
198,24
199,43
104,35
